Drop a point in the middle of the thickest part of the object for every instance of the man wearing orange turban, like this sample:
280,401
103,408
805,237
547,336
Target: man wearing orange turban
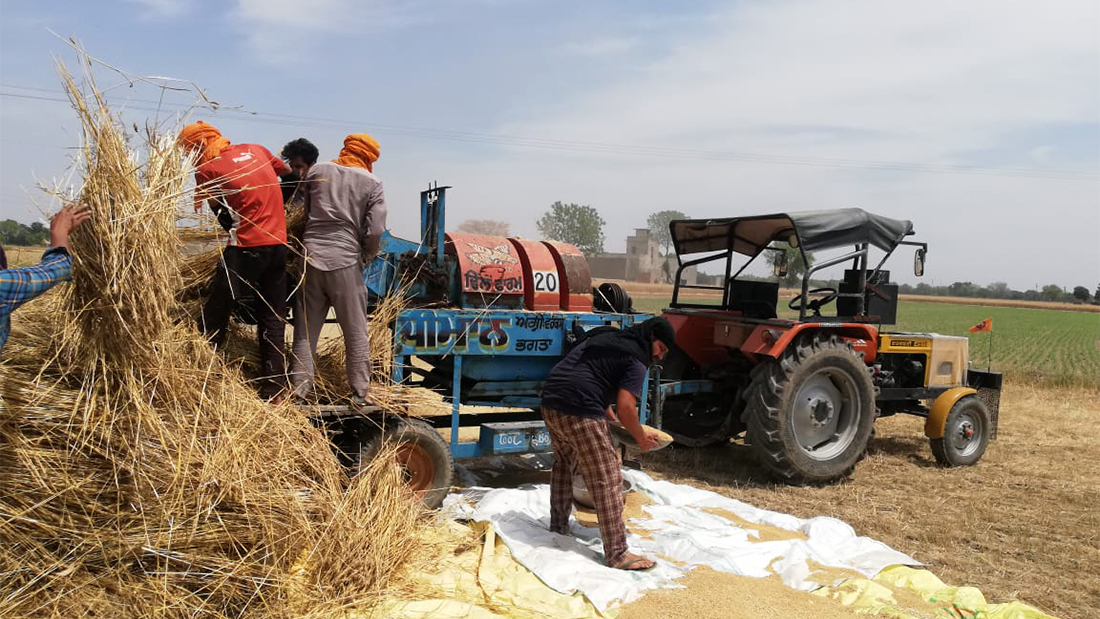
360,150
345,219
241,184
203,138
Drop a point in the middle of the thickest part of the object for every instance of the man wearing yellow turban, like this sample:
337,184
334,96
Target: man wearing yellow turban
241,184
345,219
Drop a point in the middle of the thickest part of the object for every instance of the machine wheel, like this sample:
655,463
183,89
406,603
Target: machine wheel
966,433
810,413
611,297
422,453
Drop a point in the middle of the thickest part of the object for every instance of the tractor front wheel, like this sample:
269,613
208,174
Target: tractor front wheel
424,457
966,433
810,413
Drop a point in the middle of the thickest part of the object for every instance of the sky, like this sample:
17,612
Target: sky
979,121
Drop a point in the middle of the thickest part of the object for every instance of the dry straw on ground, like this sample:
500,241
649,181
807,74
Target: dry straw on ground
141,476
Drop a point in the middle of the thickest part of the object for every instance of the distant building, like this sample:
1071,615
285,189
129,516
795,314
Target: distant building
642,262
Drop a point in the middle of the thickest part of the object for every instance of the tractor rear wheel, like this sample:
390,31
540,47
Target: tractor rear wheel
810,413
425,458
966,433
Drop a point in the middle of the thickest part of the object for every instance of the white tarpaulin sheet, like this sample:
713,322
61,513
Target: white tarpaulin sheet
680,531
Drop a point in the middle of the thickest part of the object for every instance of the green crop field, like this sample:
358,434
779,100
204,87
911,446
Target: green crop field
1039,346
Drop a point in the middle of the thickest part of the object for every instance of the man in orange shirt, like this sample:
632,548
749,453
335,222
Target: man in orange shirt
241,184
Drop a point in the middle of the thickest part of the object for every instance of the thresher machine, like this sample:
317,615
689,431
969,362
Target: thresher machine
489,317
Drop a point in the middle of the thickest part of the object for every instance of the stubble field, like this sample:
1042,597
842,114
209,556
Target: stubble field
1022,523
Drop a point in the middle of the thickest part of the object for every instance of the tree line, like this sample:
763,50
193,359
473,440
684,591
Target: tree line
1000,290
14,233
583,226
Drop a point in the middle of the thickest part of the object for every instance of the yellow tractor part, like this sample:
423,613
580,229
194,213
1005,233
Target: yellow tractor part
937,417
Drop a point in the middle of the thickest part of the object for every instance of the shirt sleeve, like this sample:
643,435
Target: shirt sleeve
634,377
280,167
206,188
374,223
17,286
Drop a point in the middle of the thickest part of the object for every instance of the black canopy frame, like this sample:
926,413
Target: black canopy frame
807,230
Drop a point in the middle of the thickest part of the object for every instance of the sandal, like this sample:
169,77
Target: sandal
633,563
362,402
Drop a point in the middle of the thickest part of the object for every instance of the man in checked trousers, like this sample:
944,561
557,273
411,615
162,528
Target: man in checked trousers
576,405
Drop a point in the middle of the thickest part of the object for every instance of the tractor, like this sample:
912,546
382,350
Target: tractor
488,317
804,391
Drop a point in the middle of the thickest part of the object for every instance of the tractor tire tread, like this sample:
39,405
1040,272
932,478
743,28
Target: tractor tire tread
764,409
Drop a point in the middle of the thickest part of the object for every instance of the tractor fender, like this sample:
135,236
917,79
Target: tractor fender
937,417
771,341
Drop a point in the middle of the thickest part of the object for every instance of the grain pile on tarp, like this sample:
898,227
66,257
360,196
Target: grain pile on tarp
140,476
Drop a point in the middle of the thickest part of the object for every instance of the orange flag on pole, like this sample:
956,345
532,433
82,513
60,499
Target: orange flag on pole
985,325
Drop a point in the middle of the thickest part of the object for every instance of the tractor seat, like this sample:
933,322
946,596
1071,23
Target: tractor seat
754,299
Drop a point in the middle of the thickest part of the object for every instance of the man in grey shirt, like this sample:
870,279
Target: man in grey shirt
345,218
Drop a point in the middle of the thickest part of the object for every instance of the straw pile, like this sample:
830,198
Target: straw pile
140,476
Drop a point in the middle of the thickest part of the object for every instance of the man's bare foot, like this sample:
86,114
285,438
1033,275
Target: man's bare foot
633,563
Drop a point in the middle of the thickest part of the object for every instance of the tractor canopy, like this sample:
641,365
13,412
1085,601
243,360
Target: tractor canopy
810,230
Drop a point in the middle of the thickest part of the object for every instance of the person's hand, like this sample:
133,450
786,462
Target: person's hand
647,441
65,221
610,412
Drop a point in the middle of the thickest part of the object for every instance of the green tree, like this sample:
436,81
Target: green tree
963,289
1096,297
576,224
1081,293
998,290
658,227
795,265
1052,292
14,233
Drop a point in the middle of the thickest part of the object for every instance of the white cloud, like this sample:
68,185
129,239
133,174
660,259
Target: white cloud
600,47
913,80
863,80
286,31
1042,154
161,9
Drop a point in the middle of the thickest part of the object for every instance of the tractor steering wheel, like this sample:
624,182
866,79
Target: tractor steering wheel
814,304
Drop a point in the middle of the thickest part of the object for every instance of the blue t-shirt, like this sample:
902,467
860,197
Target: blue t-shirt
586,382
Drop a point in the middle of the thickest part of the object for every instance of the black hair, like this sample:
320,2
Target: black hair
300,148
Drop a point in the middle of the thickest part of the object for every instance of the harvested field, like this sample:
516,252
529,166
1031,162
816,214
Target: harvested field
1022,524
641,290
1043,305
23,256
1047,347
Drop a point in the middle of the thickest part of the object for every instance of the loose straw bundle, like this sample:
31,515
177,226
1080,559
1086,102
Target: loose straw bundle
140,475
331,386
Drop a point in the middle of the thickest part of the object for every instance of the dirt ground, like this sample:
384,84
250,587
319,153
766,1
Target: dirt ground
1022,524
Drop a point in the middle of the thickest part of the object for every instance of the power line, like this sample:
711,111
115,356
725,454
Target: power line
567,145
